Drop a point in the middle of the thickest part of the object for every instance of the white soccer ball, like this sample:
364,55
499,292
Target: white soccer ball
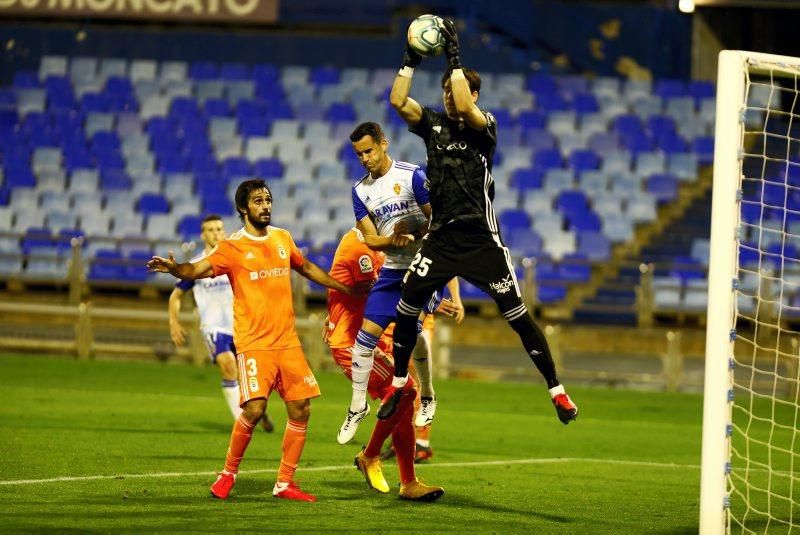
425,35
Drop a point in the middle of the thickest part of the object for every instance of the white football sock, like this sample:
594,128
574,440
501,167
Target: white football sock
423,363
230,389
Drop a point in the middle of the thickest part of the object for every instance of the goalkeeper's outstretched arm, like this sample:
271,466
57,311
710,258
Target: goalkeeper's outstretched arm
408,108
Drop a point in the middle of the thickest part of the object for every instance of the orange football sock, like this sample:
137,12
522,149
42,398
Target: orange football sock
404,440
424,433
240,437
293,441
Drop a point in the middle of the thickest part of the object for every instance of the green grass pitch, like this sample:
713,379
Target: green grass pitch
629,464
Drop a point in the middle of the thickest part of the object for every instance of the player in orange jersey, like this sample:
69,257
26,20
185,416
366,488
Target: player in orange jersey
257,260
355,261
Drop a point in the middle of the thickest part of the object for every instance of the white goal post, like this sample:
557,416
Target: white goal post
751,447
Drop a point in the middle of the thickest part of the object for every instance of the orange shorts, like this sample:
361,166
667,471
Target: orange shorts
284,370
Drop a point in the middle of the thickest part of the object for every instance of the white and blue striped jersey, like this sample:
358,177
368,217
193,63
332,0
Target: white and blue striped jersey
394,197
214,299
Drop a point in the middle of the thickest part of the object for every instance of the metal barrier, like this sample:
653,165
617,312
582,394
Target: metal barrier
148,327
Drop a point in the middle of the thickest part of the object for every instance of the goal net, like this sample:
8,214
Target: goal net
750,480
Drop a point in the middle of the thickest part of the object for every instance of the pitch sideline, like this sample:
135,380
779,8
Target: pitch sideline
552,460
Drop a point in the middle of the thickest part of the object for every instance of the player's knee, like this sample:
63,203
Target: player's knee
254,409
227,366
299,411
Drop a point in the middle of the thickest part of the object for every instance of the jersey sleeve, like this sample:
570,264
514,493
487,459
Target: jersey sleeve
221,259
420,187
490,134
296,257
423,127
184,285
359,263
359,208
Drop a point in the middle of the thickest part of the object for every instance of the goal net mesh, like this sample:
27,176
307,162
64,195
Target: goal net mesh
763,493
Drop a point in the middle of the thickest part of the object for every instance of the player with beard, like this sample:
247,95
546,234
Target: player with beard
257,260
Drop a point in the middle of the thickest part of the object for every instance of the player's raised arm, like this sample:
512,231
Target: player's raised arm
408,108
463,98
186,271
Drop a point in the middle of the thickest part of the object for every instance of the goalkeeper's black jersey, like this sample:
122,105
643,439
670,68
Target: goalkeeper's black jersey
459,170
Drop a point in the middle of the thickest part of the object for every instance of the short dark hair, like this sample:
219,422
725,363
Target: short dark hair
210,217
371,129
472,76
243,194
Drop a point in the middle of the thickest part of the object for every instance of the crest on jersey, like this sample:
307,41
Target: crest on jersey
365,263
397,189
281,252
437,129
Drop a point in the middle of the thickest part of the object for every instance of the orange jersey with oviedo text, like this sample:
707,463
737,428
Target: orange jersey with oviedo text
259,269
353,262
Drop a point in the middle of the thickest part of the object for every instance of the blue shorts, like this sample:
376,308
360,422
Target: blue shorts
218,343
381,307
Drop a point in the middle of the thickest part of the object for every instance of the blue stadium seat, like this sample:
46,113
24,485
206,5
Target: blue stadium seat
594,245
219,205
234,71
270,168
663,186
341,112
523,242
704,148
153,203
572,202
531,120
551,102
26,80
515,219
525,179
203,70
112,179
585,103
135,268
584,160
547,159
37,237
107,265
236,166
583,221
541,84
668,88
189,226
324,76
216,107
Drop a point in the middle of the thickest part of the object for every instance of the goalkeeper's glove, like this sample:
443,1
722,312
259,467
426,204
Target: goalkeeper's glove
451,43
412,58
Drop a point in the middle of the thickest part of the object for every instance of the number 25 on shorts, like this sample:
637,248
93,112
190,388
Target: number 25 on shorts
420,265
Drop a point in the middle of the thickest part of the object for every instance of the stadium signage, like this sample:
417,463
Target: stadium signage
242,11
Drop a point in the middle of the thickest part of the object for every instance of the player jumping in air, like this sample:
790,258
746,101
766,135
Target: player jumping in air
257,260
214,300
355,262
464,237
391,207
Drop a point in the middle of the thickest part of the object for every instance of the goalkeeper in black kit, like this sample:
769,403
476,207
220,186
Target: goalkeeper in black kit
464,238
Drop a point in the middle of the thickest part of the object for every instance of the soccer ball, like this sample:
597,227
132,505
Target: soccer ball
425,35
